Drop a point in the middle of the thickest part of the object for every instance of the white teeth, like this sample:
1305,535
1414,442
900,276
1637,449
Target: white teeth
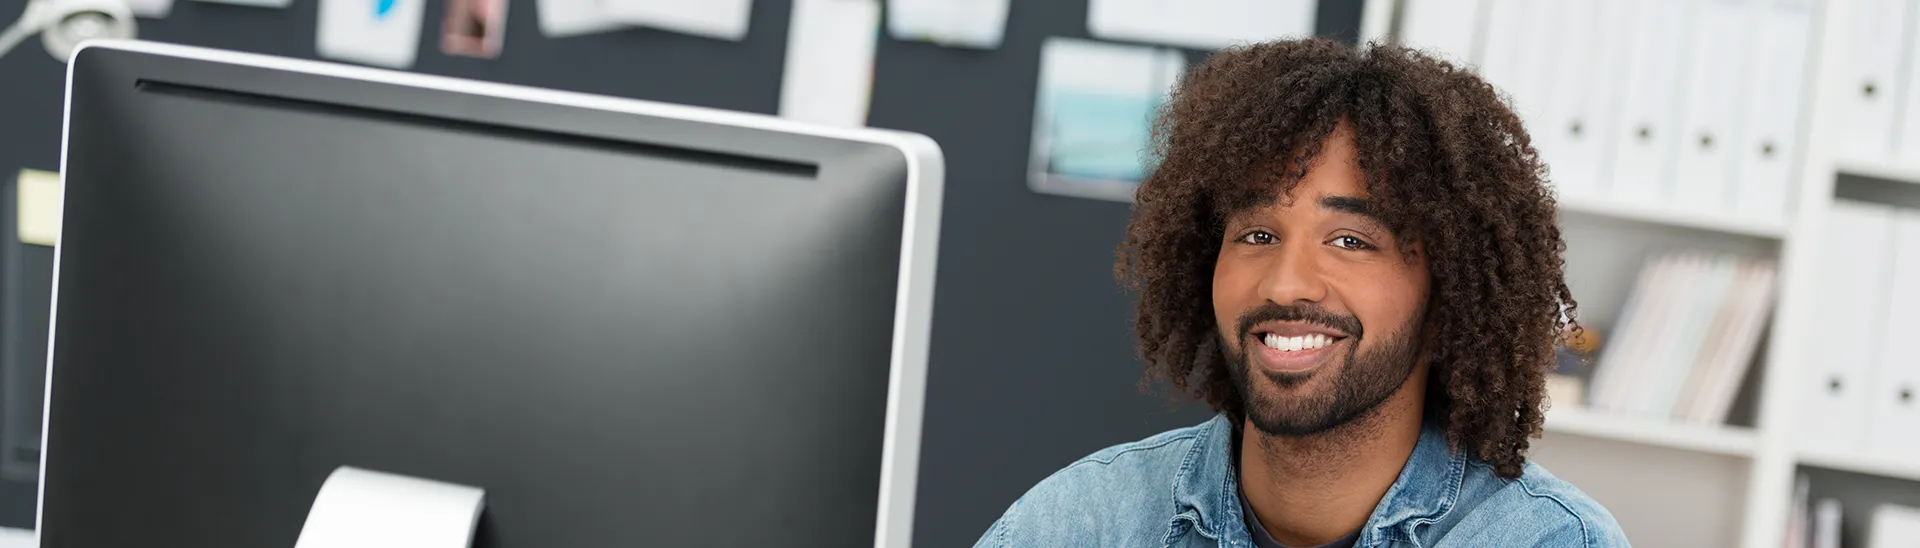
1295,344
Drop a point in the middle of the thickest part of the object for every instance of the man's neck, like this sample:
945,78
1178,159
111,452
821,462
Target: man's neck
1308,491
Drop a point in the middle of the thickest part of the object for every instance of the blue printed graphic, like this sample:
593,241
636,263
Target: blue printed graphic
1097,135
381,8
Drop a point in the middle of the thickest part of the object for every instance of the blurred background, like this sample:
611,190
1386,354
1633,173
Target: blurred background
1739,182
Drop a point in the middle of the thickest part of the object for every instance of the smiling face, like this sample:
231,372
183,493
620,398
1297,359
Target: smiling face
1318,305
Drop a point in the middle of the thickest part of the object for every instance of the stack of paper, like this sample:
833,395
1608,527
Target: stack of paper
1686,338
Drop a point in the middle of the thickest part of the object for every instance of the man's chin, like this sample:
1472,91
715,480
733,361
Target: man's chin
1292,404
1287,381
1290,423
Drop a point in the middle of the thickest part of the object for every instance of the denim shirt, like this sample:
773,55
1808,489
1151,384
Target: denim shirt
1178,489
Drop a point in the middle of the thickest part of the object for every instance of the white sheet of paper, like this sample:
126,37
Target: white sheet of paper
962,23
1203,24
151,9
561,18
722,19
254,3
17,538
829,72
38,195
374,32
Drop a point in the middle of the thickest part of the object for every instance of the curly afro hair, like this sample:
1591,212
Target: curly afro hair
1448,165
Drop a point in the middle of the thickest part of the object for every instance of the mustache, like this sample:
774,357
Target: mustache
1303,313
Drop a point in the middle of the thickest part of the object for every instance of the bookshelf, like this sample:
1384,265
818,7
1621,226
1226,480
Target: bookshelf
1674,483
1862,464
1878,169
1671,216
1733,441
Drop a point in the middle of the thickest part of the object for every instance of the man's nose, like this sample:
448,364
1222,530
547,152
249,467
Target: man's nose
1293,274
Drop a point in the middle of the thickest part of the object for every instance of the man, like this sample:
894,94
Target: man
1349,255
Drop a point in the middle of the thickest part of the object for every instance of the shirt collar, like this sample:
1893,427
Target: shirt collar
1206,489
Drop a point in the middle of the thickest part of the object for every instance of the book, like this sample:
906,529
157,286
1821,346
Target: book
1689,333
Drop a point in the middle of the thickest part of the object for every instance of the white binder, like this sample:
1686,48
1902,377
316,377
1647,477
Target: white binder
1907,135
1855,268
1770,138
1500,45
1445,28
1535,62
1871,77
1517,58
1645,140
1893,418
1893,527
1714,80
1579,112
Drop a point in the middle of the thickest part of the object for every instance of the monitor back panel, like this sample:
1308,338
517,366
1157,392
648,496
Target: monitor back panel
626,330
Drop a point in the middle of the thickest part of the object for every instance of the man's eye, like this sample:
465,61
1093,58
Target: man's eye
1350,242
1257,238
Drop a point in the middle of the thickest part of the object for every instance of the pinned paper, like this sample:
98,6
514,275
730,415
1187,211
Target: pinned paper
960,23
1092,134
38,218
829,72
151,9
1202,24
722,19
474,28
373,32
254,3
562,18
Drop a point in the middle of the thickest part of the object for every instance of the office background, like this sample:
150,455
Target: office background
1032,363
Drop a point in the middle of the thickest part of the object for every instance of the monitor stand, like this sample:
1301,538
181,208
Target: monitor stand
359,508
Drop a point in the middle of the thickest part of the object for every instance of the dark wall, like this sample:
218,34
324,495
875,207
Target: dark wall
1032,361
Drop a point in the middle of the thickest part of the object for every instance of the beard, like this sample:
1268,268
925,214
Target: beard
1360,385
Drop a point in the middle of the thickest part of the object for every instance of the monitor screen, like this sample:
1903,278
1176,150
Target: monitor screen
631,324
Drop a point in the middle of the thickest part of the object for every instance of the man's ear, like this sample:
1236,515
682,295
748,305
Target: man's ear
1429,326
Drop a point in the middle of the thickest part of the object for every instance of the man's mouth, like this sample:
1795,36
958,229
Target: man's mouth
1298,343
1295,347
1297,336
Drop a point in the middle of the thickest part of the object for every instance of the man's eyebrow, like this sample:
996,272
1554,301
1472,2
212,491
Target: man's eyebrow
1352,205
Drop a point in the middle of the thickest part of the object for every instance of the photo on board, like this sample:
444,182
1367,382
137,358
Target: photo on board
474,28
1093,120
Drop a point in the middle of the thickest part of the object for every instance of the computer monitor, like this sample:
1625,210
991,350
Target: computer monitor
631,323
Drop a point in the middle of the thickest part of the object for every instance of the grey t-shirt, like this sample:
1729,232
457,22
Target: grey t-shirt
1263,540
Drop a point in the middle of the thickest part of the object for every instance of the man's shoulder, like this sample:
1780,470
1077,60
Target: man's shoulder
1128,474
1116,496
1535,509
